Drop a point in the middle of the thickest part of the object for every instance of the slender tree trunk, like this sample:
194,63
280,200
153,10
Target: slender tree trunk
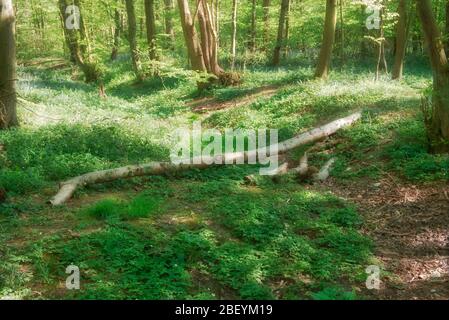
266,22
287,29
8,76
447,27
208,38
342,33
252,42
84,34
151,28
234,33
117,33
281,32
169,31
401,40
381,58
77,53
217,21
132,31
193,45
363,43
330,24
438,118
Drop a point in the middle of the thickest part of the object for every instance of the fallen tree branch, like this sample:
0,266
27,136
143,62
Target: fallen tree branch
68,188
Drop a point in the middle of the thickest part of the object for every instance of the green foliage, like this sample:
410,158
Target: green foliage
334,293
140,207
35,157
20,181
108,208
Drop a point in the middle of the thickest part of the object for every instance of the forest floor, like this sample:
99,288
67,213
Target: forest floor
206,234
411,236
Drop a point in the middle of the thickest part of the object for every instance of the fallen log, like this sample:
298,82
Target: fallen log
68,188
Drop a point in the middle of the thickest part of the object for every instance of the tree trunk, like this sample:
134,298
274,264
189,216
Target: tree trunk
169,31
266,22
322,70
363,43
287,29
342,33
132,31
281,32
84,34
117,33
447,27
151,28
217,21
252,42
8,77
438,118
234,33
78,51
208,38
203,54
190,36
381,58
401,40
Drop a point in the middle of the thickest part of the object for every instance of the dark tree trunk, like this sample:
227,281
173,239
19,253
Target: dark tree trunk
401,40
287,29
438,117
252,42
8,77
266,21
78,51
117,33
330,24
281,32
169,31
342,32
447,27
151,28
132,31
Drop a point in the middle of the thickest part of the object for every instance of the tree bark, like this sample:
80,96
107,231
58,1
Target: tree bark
169,31
322,69
266,21
217,21
234,33
78,51
203,54
8,76
438,124
190,36
151,28
447,27
68,188
401,40
342,32
287,29
132,32
252,42
281,32
117,33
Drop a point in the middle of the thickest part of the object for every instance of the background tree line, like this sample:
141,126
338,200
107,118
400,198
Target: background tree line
221,38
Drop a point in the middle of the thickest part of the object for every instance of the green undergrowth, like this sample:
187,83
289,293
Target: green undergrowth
206,239
199,234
